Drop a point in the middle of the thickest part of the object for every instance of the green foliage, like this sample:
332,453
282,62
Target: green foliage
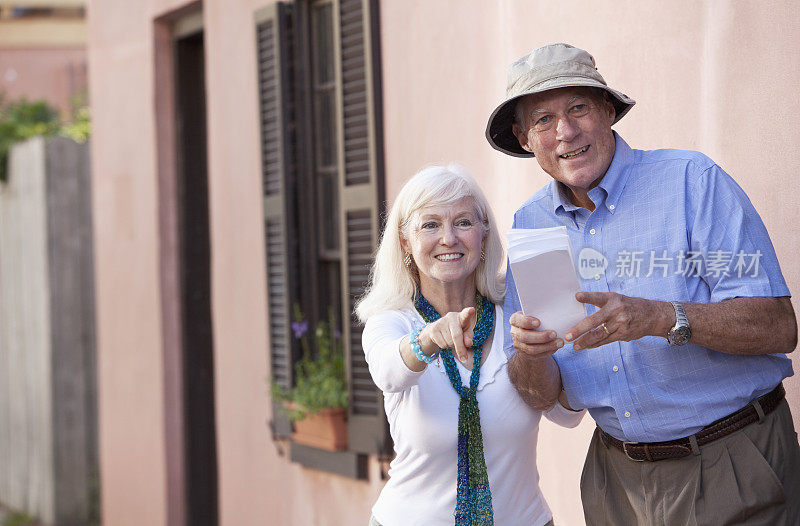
19,518
319,375
79,127
20,120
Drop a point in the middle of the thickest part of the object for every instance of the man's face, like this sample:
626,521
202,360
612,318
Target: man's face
569,131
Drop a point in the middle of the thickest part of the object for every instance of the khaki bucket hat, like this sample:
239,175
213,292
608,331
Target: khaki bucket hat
548,67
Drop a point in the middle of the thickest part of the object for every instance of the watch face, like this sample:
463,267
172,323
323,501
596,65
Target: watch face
679,335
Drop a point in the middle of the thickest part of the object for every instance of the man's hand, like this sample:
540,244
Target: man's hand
756,325
531,341
619,318
533,370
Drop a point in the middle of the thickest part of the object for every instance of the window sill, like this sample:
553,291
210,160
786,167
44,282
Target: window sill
345,463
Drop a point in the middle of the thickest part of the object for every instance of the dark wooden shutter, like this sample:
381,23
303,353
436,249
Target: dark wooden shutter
361,191
274,40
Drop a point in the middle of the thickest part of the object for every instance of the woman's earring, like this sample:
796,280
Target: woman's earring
483,255
407,260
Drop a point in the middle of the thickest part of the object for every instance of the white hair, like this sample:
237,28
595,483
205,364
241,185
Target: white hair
391,284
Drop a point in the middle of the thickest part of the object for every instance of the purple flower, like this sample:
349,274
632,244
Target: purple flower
300,328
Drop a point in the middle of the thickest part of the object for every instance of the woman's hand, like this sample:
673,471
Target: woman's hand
455,330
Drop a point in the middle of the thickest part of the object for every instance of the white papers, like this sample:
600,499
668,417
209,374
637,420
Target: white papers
542,265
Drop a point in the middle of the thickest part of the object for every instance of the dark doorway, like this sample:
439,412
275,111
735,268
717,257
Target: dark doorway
200,451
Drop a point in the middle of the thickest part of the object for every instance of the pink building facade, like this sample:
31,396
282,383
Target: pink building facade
43,53
715,77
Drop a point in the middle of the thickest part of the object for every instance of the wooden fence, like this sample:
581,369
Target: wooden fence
48,423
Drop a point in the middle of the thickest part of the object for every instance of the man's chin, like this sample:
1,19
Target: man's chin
581,181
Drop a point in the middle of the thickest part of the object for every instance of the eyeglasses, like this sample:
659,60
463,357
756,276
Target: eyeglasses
545,121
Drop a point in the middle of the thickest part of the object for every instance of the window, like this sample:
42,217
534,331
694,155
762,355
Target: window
42,12
323,183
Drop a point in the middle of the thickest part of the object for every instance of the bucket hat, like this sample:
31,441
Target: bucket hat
548,67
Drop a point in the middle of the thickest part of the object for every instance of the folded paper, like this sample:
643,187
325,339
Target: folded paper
543,267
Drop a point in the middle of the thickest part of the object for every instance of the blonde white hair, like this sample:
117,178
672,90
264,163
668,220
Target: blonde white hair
392,285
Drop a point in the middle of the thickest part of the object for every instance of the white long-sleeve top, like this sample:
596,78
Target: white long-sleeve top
422,409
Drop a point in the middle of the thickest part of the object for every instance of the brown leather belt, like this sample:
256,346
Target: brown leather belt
654,451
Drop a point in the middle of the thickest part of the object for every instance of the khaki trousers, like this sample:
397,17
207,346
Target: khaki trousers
749,477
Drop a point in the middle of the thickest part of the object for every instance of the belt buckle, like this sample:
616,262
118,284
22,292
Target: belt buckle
625,450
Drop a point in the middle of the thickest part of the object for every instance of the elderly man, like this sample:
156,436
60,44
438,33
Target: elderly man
681,359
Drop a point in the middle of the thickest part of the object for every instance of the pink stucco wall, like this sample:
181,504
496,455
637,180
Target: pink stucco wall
130,390
710,76
52,74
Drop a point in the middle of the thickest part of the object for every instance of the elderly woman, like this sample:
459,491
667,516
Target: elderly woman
465,441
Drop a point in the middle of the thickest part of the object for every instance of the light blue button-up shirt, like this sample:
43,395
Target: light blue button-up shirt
672,226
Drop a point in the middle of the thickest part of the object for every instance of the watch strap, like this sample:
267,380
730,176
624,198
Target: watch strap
681,332
680,314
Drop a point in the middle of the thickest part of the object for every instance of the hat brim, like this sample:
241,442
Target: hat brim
499,131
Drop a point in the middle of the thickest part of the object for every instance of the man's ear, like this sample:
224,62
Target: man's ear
611,111
521,136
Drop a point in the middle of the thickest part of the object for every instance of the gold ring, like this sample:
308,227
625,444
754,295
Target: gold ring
603,325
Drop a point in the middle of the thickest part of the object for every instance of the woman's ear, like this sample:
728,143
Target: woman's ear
404,244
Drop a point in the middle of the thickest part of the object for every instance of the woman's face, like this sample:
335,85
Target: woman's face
445,242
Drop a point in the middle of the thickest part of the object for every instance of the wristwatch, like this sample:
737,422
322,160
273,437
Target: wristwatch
681,332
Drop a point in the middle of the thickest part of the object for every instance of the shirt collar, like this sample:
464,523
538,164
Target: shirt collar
611,185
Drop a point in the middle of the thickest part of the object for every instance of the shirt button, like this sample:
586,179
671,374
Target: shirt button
611,207
615,368
597,277
593,231
627,414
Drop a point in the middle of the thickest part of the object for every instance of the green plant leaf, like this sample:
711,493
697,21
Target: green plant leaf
319,375
21,120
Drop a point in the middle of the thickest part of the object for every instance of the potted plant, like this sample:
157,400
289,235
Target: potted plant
317,405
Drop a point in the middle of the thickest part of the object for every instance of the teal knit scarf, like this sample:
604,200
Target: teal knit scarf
473,496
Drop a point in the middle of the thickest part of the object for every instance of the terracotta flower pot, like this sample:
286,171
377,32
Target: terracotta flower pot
324,430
